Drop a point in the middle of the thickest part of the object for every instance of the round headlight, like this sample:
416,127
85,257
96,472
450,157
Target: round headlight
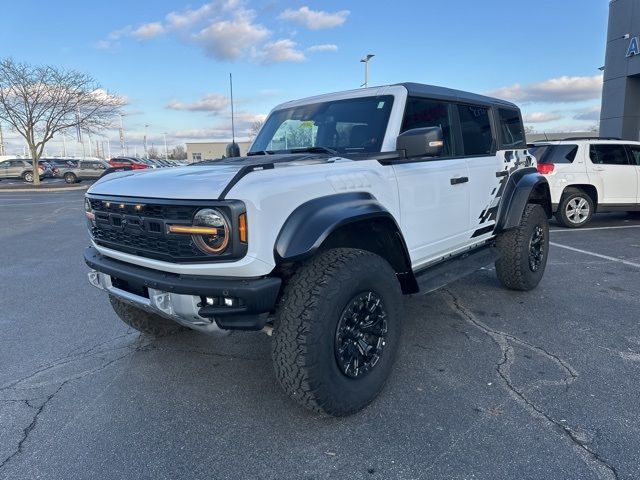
211,218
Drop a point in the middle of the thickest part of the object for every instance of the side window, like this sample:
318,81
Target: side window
476,129
608,154
565,153
511,128
421,113
635,153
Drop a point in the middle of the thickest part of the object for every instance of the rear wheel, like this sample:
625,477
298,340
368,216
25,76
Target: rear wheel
524,251
575,208
337,331
70,178
28,177
143,321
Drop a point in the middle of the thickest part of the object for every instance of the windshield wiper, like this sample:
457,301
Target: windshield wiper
260,152
317,149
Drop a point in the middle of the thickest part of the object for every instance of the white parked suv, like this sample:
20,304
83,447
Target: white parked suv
588,175
345,202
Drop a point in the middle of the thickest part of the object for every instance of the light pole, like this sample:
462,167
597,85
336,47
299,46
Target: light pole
166,152
365,60
122,148
146,151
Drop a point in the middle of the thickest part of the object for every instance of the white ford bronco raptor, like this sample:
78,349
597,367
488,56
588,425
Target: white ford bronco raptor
344,203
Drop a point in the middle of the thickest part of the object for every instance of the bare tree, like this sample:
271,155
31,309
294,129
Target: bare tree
154,154
178,153
254,129
40,101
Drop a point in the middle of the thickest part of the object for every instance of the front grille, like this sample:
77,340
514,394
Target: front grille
140,229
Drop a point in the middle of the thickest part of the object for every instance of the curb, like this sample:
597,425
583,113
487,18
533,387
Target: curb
43,190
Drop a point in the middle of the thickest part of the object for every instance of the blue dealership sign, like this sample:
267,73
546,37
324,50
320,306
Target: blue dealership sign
634,47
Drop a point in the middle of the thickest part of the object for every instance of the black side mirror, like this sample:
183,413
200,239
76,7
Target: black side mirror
421,142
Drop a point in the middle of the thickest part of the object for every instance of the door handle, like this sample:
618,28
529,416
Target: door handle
598,169
459,180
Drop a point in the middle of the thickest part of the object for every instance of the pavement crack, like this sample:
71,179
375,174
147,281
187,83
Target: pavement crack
602,468
32,425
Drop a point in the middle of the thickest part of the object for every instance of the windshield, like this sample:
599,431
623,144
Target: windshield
355,125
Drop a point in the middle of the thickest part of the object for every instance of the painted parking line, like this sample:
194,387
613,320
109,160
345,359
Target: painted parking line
52,202
564,230
594,254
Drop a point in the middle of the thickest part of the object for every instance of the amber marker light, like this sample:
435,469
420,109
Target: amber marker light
193,230
242,227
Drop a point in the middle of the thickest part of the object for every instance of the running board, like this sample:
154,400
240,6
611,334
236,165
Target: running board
443,273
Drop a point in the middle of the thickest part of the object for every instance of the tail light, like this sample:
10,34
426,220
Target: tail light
546,168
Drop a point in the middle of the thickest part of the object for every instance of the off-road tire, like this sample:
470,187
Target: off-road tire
513,267
305,329
26,176
143,321
70,178
574,195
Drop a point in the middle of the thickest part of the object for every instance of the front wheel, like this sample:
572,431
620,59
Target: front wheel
524,251
144,322
70,178
28,177
337,330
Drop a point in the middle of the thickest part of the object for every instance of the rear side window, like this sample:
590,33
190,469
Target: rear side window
422,113
554,153
476,129
511,128
608,154
635,153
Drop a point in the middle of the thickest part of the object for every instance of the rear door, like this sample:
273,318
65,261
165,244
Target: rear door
434,192
634,154
611,167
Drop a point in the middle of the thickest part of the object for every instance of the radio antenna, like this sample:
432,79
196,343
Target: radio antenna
233,128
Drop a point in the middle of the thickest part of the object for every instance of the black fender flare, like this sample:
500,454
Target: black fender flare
523,185
311,223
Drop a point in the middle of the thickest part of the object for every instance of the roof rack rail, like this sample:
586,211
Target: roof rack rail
588,138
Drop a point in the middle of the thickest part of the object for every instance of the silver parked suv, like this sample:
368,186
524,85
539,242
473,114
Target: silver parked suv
18,168
588,175
84,170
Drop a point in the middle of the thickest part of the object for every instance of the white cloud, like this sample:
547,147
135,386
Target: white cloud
280,51
326,47
231,39
222,130
148,30
212,102
589,114
315,19
541,117
554,90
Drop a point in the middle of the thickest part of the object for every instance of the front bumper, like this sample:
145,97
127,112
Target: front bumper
199,302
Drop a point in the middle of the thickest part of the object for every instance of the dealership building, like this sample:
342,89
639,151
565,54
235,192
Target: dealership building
620,114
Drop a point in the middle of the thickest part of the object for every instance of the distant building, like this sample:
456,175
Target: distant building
197,151
620,114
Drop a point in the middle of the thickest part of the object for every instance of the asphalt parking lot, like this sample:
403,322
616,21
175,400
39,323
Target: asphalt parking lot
489,384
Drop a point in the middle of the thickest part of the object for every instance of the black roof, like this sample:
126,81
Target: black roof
449,94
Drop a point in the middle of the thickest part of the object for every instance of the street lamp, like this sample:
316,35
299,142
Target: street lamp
166,153
146,152
121,132
365,60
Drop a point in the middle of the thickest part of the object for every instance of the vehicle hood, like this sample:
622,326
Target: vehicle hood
205,181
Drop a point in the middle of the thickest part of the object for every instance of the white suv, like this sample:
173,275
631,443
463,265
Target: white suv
588,175
345,202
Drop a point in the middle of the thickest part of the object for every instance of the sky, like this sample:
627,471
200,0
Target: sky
170,59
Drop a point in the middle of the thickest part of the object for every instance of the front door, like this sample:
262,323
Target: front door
434,192
612,167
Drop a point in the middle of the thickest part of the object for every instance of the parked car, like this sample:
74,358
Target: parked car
344,203
18,168
588,175
132,162
85,170
50,170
